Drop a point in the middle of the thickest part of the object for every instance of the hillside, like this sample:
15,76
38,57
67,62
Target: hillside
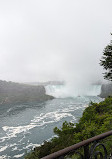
11,92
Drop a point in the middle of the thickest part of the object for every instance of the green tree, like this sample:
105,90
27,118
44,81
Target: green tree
106,61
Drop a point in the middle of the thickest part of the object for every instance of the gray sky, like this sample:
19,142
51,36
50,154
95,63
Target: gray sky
44,40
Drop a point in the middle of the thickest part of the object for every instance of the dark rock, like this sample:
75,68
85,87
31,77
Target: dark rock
106,90
11,92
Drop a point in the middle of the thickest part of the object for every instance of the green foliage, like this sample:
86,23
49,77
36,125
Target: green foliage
32,155
96,119
106,61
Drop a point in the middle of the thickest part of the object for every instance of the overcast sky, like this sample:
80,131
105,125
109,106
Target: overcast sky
43,40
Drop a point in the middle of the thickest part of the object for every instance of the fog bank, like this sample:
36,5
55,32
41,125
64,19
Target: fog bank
53,40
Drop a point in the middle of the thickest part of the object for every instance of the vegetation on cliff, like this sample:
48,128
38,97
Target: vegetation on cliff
96,119
106,61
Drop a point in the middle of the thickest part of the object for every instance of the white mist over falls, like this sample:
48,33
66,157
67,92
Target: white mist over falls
64,91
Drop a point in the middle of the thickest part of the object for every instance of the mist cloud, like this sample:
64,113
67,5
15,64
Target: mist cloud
53,39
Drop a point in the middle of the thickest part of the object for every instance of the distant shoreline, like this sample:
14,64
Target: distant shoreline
15,93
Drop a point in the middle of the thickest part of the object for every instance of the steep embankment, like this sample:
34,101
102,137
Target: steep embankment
106,90
11,92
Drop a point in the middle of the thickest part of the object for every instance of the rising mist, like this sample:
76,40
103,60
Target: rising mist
53,40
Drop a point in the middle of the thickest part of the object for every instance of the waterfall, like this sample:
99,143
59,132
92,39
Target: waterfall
63,91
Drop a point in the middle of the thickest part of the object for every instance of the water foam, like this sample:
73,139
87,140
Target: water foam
18,156
4,157
38,121
3,148
50,117
13,131
31,145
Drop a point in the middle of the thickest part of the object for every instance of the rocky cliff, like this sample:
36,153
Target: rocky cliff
106,90
11,92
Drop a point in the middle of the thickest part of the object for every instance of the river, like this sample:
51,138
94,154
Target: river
24,126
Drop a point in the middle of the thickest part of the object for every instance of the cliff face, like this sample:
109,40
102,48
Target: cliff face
106,90
11,92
